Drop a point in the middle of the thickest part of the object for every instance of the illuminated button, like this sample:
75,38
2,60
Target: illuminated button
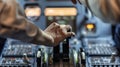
90,27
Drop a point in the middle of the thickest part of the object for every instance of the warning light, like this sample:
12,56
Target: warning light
90,27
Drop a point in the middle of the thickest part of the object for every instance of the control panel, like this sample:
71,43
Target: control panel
18,54
104,61
92,46
19,50
100,47
17,62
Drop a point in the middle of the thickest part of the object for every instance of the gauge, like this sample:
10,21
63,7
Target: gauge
33,12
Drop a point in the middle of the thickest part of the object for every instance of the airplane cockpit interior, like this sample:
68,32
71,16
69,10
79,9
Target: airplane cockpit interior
94,43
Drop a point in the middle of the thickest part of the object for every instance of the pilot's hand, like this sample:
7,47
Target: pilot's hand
58,32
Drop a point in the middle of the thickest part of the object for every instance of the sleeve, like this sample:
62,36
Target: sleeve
13,23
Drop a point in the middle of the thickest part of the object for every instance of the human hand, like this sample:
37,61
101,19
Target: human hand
58,32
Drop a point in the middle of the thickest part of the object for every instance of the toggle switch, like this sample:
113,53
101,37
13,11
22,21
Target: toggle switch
39,57
112,60
25,58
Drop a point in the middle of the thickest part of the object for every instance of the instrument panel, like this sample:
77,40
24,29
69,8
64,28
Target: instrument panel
92,46
104,62
62,16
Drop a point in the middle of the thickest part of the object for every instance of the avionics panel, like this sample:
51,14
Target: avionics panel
61,15
97,54
18,54
16,62
104,61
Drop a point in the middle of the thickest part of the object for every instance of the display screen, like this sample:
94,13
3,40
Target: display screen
32,12
66,11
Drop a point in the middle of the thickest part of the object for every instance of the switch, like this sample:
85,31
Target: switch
25,58
56,53
66,50
39,58
83,57
112,60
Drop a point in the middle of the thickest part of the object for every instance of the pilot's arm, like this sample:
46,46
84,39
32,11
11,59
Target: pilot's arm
13,24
